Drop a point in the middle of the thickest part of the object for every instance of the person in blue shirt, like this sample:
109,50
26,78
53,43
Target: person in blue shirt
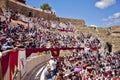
8,44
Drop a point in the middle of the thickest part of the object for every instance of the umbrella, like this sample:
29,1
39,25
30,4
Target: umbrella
77,69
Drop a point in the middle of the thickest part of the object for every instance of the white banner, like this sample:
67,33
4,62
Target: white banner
22,61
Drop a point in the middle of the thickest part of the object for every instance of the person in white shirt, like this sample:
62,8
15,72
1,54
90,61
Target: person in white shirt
53,66
48,74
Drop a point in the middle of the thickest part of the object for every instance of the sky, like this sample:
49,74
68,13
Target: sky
99,13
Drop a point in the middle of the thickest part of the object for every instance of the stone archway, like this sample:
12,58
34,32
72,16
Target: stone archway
109,47
30,14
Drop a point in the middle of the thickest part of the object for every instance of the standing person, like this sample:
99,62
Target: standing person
53,66
47,73
109,30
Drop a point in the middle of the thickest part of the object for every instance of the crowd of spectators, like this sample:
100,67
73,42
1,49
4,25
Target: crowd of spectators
39,33
87,64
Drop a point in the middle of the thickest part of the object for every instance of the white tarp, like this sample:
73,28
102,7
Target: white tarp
22,61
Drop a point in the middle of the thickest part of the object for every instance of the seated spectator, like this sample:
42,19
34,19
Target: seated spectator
8,44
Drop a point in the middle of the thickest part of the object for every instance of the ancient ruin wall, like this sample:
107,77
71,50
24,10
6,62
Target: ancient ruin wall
26,10
76,22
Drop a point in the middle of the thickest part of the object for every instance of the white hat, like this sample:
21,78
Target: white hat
52,57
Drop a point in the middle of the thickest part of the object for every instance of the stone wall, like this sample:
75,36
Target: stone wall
29,11
3,4
113,38
36,60
76,22
115,29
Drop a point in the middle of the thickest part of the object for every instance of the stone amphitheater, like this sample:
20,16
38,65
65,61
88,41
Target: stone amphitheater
112,37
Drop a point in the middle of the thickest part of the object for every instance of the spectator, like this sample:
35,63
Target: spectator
8,44
47,73
52,63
